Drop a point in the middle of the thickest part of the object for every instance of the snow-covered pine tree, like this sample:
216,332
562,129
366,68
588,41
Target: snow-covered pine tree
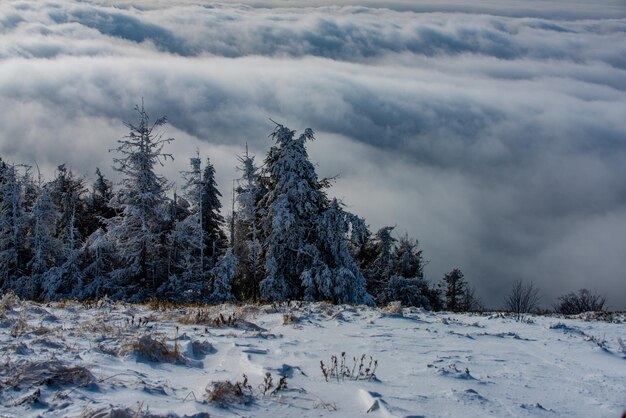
380,266
98,260
13,223
407,258
98,208
187,280
215,240
137,229
222,276
454,288
292,205
44,246
407,283
335,275
67,193
247,246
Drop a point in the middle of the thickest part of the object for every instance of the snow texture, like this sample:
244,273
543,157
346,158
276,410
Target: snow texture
67,359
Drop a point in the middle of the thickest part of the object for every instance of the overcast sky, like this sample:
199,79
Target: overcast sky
493,131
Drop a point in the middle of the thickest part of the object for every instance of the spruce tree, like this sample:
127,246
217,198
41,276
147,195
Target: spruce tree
222,276
454,288
215,239
187,273
98,203
67,193
292,205
13,223
247,246
379,265
406,283
306,238
334,275
98,260
45,247
137,229
407,258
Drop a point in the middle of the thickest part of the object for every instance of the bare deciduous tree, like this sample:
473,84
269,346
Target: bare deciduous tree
522,299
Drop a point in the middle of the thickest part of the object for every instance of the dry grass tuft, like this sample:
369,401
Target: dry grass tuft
207,317
341,368
127,413
290,319
247,311
153,350
19,327
161,305
100,325
224,393
393,308
49,373
202,348
9,301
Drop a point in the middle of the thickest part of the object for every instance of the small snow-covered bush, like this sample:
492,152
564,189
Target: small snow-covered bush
408,291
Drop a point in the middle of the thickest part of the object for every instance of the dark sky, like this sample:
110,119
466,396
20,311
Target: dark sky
494,133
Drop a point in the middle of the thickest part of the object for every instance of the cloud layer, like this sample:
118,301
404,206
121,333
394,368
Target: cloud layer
496,135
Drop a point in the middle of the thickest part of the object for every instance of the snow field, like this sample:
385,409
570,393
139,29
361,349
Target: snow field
70,359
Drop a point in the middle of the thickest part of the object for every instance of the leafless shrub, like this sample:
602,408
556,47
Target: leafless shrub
340,369
522,299
268,384
582,301
622,346
599,316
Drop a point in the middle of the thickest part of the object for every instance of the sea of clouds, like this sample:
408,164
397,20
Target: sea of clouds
494,132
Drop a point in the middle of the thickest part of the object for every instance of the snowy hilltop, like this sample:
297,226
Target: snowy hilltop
67,359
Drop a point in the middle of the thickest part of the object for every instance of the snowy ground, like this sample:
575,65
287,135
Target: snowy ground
71,360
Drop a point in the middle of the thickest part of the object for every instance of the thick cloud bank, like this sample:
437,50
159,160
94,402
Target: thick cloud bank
496,133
